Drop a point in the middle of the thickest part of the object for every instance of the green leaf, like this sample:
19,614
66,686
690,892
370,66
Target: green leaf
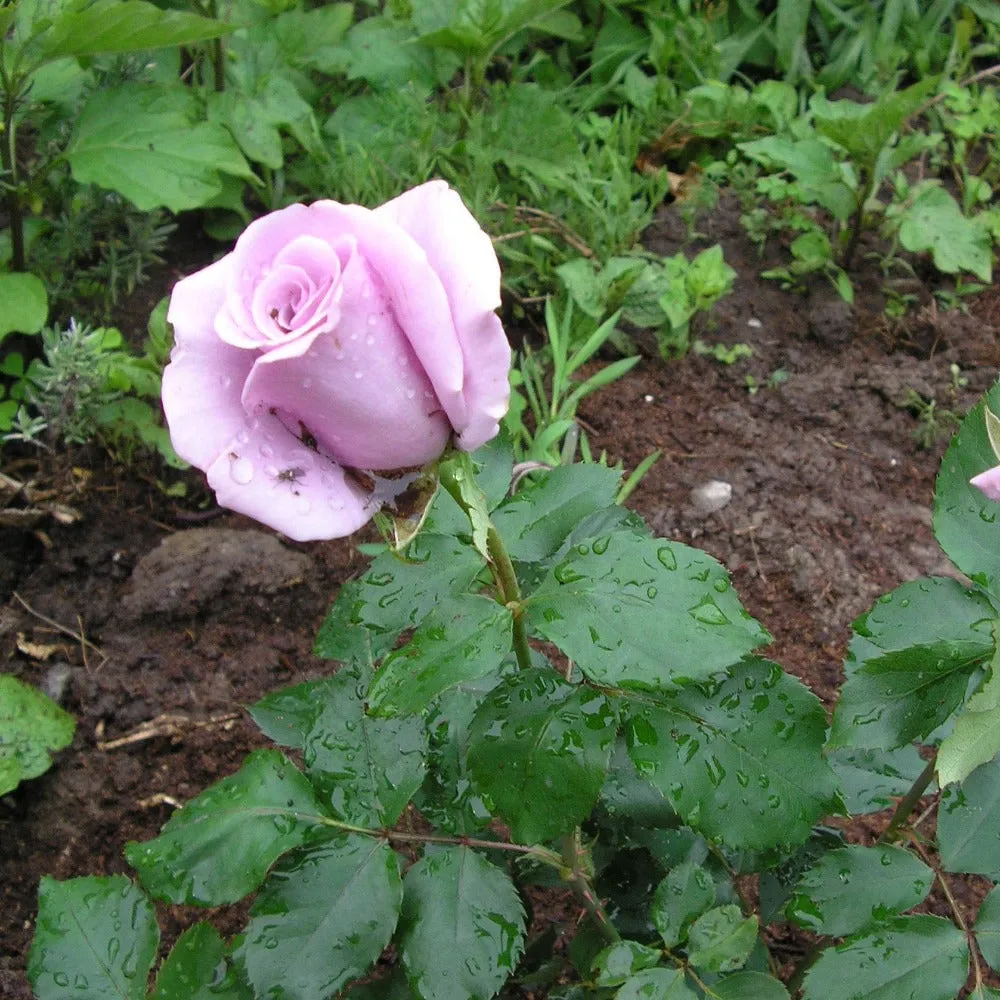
968,818
871,779
462,929
322,919
220,845
24,304
910,661
987,928
616,963
721,939
749,986
740,757
851,889
934,222
365,769
920,958
286,716
396,594
975,737
466,639
538,752
123,26
32,726
965,521
534,522
656,984
657,612
192,969
95,937
686,893
143,142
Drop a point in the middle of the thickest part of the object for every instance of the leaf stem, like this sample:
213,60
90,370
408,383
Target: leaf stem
577,875
507,581
908,802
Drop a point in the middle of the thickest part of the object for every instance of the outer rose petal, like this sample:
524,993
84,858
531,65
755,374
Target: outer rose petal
267,474
462,256
988,482
204,380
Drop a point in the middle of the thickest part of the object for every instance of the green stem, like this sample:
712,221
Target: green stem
907,803
506,579
576,874
8,158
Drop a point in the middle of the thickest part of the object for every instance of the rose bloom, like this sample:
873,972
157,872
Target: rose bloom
333,353
988,482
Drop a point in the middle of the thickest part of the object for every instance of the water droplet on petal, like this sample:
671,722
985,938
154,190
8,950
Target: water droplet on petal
226,381
307,383
241,471
359,374
410,393
266,451
373,319
369,341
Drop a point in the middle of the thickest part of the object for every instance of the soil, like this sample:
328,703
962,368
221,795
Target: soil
164,620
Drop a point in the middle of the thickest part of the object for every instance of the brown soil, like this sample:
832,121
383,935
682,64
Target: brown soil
831,500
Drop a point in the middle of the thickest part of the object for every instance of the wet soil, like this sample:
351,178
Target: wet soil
165,621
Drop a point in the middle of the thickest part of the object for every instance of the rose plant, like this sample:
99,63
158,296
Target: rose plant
535,695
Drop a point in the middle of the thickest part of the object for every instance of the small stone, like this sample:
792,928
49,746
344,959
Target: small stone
711,496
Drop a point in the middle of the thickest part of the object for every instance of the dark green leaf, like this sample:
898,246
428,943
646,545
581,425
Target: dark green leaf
656,984
397,593
871,779
464,640
538,752
194,968
749,986
965,522
322,919
686,893
32,726
462,928
534,522
987,928
856,887
286,716
909,663
657,612
721,939
935,223
343,636
94,938
627,796
920,958
619,961
740,758
24,304
365,769
220,845
968,821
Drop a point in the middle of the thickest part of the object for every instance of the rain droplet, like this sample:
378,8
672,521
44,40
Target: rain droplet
226,381
667,557
307,383
410,393
370,339
266,451
359,374
373,319
241,471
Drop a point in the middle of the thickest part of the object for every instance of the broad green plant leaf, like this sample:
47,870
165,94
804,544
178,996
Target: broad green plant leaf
920,958
656,984
535,521
144,143
968,820
975,737
657,612
965,521
749,986
322,919
987,928
287,715
220,845
32,727
871,779
686,893
934,222
739,757
395,594
621,960
365,769
24,304
721,939
909,663
462,929
193,968
538,752
855,887
467,639
95,937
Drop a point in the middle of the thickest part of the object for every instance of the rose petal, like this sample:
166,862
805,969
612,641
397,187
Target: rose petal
988,482
267,474
203,382
360,390
463,258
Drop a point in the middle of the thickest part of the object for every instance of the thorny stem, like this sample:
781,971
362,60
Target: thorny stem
907,803
503,571
578,878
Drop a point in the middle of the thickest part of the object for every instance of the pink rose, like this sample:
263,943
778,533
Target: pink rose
988,482
333,352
